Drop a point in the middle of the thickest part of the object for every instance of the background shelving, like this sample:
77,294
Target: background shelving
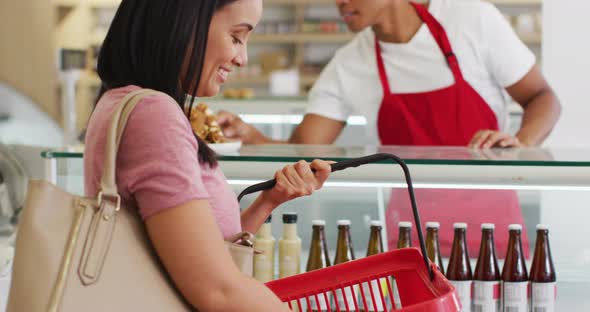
82,24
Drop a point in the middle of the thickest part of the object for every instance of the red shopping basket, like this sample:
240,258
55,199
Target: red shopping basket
370,281
400,280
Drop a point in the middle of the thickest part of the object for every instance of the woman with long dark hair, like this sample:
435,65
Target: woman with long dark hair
180,48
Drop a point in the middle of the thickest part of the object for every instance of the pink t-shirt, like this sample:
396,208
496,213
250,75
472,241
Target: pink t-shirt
157,163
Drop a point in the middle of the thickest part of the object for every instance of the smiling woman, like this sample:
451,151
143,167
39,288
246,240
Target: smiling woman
165,172
226,47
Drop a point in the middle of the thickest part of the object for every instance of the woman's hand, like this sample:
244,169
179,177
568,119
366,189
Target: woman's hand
298,180
492,138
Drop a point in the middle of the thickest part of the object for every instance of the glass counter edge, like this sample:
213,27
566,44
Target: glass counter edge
416,161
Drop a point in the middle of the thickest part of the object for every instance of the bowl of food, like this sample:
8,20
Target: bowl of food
206,127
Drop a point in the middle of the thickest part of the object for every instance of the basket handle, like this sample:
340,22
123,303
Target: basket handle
355,162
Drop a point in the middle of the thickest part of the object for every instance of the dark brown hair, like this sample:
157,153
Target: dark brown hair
147,44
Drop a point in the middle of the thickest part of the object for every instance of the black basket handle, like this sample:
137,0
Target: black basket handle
355,163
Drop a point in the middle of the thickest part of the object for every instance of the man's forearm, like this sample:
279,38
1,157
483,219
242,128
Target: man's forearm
539,118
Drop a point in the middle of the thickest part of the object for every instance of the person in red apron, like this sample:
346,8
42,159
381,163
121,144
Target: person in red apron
450,116
457,114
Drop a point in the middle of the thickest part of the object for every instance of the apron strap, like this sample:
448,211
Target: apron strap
440,35
381,67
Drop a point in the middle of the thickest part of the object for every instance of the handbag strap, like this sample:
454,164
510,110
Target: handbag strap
108,185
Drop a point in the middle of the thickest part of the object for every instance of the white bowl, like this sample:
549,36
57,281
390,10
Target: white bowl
226,148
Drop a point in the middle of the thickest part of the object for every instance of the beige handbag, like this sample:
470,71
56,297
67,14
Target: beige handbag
90,254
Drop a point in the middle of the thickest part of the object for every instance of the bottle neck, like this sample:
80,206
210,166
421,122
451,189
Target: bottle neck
487,244
290,231
343,234
375,242
487,268
459,266
542,269
265,231
432,245
514,269
317,234
344,248
405,238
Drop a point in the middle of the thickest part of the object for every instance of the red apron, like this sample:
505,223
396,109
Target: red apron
449,116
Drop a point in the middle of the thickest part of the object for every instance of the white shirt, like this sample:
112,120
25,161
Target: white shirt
491,56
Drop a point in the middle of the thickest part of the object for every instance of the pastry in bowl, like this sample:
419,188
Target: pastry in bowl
205,125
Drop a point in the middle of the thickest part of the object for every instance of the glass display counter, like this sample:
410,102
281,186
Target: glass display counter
553,186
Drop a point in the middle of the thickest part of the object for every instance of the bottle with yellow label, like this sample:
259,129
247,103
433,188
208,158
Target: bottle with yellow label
264,268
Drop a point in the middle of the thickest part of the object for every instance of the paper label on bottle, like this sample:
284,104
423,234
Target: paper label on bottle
375,285
288,266
543,297
515,296
320,303
464,293
349,298
485,296
263,268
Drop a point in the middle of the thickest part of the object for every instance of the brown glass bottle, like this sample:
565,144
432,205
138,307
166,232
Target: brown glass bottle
405,235
318,259
514,274
459,270
375,247
318,250
433,245
344,249
486,278
344,253
375,240
543,277
404,240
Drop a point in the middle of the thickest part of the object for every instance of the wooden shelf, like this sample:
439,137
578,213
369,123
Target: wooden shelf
90,3
104,3
308,79
532,39
98,37
302,38
115,3
66,3
78,30
252,80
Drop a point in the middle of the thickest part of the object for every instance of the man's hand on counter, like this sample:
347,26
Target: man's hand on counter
491,138
234,128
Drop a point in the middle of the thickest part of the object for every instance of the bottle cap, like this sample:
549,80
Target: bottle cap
405,224
376,223
543,227
432,225
343,222
488,226
318,222
290,217
269,219
515,227
460,225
